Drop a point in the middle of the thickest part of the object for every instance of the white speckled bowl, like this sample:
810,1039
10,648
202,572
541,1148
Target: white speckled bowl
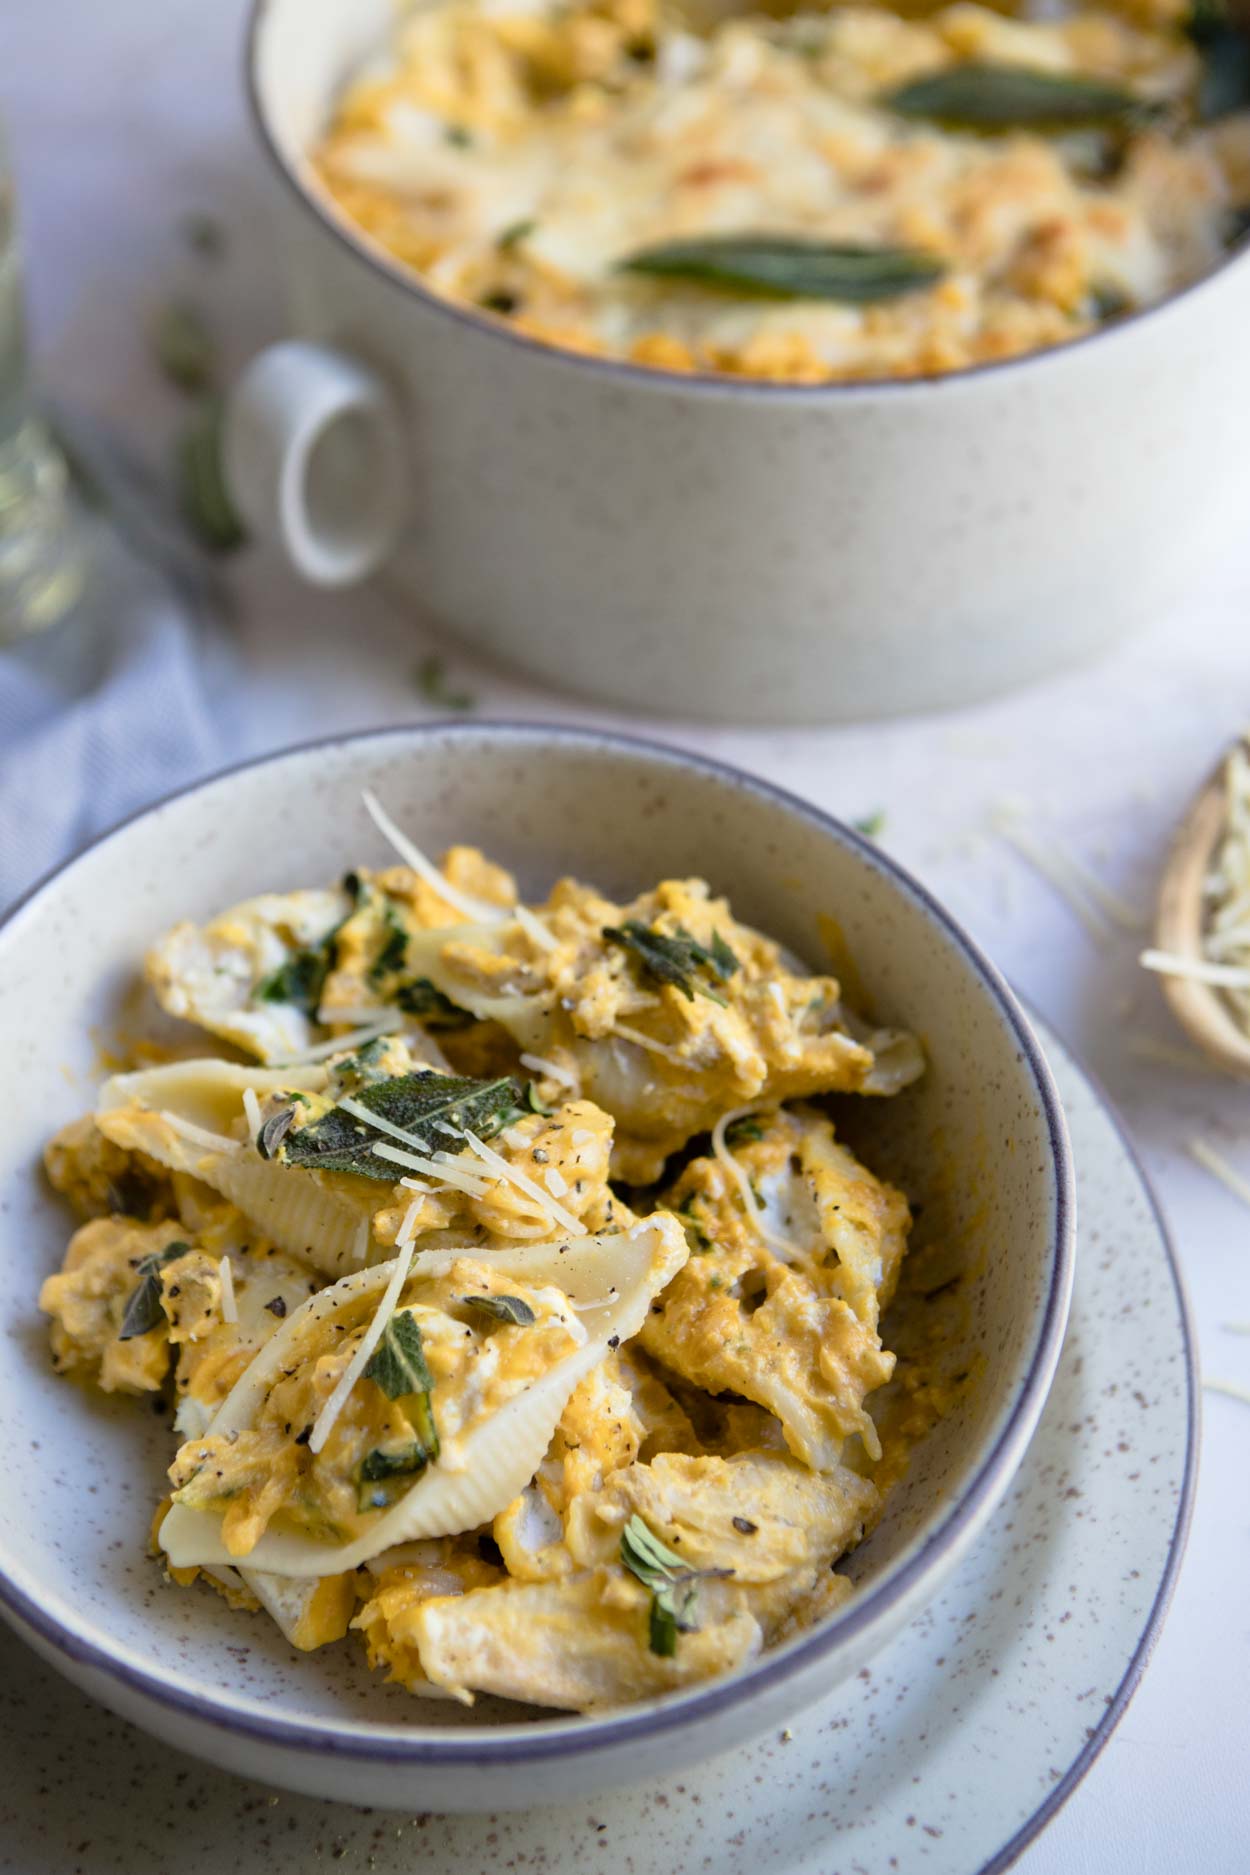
980,1142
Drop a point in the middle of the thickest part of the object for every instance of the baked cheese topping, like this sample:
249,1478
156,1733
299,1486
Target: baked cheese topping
514,154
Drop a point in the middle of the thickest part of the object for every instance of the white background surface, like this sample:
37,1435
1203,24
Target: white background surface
126,115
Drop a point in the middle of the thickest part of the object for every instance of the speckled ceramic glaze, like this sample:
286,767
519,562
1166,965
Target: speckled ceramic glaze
708,546
946,1754
979,1143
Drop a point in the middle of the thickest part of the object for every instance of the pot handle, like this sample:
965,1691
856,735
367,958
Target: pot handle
314,458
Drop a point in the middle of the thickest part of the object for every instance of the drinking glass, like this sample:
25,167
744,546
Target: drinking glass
40,558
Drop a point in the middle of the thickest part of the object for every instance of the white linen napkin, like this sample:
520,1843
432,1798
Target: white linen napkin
125,699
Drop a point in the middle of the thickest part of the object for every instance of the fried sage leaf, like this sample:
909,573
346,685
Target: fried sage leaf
789,267
398,1363
143,1307
1224,47
503,1308
436,1108
674,1587
678,959
982,96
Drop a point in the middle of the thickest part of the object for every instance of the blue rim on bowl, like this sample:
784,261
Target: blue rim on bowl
568,1737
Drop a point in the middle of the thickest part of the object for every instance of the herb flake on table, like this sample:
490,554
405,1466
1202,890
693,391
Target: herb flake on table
434,687
679,960
774,266
184,347
674,1586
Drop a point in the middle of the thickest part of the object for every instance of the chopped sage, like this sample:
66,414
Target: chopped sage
202,493
380,1468
423,999
870,825
143,1308
184,350
398,1363
432,672
1224,47
437,1108
981,96
503,1308
674,1587
515,233
299,980
679,960
273,1131
789,267
534,1100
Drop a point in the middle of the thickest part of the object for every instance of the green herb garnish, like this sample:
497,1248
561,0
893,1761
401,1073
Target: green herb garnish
740,1132
679,960
515,233
423,999
535,1102
697,1235
982,96
870,825
499,301
205,234
143,1308
202,493
459,136
398,1364
503,1308
300,980
432,672
437,1108
674,1587
379,1468
787,267
273,1131
184,350
1224,46
394,949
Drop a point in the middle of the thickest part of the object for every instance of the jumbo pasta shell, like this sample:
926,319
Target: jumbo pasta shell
621,1272
182,1116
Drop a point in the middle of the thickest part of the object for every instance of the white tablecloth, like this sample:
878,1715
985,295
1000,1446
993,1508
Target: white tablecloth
125,116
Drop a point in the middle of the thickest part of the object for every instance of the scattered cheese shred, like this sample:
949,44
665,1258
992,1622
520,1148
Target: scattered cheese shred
534,928
1098,908
327,1417
359,1111
199,1135
648,1042
1218,1166
229,1307
360,1248
734,1171
555,1181
1228,1387
408,1229
339,1044
251,1107
444,1167
523,1182
1201,969
549,1070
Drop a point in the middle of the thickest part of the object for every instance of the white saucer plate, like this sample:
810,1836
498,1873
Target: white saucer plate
947,1755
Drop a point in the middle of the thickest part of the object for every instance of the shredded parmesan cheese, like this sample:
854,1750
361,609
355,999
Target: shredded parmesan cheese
648,1042
327,1417
229,1307
523,1182
359,1111
408,1229
198,1135
1201,969
549,1070
360,1248
1228,1387
1217,1165
476,910
340,1044
1098,908
555,1181
444,1167
739,1178
251,1107
534,928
